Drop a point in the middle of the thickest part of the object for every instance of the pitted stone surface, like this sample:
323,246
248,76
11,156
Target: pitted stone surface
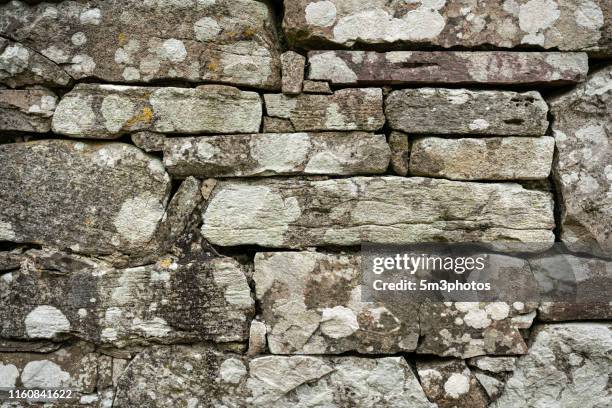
26,110
109,111
582,128
299,213
94,198
568,25
293,65
495,158
225,41
271,154
400,152
187,299
493,364
461,111
446,67
346,109
197,375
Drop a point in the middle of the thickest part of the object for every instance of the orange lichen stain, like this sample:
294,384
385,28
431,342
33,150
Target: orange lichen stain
165,263
145,117
213,65
122,39
249,32
88,222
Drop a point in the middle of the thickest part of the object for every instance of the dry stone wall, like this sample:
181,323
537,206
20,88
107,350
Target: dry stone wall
184,186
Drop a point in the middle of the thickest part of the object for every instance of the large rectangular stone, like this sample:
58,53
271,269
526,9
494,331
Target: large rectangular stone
272,154
109,111
490,158
446,67
301,213
567,25
224,41
461,111
347,109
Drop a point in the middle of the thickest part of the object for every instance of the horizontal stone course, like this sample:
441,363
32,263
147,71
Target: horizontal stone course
26,110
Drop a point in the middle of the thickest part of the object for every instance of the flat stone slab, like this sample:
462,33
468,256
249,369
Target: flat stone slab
461,111
447,67
346,109
271,154
200,375
495,158
567,25
109,111
582,128
26,110
226,41
57,296
301,213
94,198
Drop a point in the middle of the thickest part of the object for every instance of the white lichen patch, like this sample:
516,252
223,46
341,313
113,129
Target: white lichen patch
457,385
6,231
230,277
329,66
91,16
138,218
589,15
14,60
46,322
173,50
232,371
338,322
8,375
479,124
206,29
321,13
155,327
535,17
116,110
44,374
477,318
271,154
497,310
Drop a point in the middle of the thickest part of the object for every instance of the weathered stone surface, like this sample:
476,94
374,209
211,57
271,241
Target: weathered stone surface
347,109
26,110
495,158
316,87
564,24
460,111
568,365
257,338
109,111
422,67
149,141
451,384
271,154
300,213
491,385
582,127
311,303
231,42
21,66
90,197
276,125
400,152
493,364
181,375
196,298
293,65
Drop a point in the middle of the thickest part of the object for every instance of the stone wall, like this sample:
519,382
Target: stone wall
185,185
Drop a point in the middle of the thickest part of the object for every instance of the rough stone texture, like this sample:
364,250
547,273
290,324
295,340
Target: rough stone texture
491,385
311,303
134,41
257,338
347,109
276,125
496,158
181,375
493,364
451,384
21,66
92,198
316,87
149,141
568,25
460,111
568,365
293,65
582,128
299,213
400,153
26,110
422,67
109,111
195,298
271,154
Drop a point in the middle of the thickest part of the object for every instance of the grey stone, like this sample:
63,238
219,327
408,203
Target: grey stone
582,127
293,72
26,110
202,376
400,153
568,365
257,338
109,111
228,41
346,109
149,141
495,158
316,87
491,385
276,125
493,364
271,154
447,67
567,25
461,111
300,213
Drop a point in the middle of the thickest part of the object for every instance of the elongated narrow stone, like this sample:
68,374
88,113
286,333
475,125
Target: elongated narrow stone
225,41
496,158
293,72
299,213
568,25
109,111
26,110
272,154
461,111
347,109
446,67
